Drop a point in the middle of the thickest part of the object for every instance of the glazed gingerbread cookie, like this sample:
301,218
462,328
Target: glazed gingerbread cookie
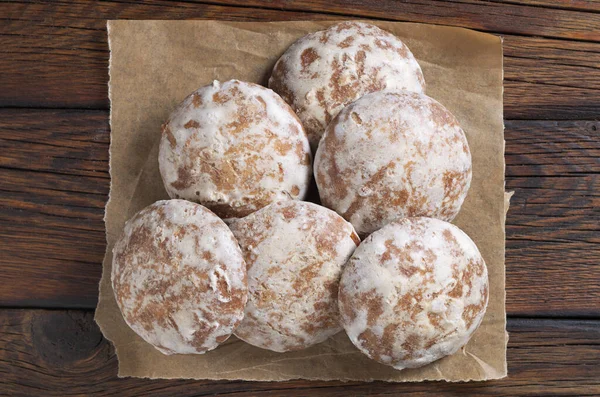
413,292
393,155
179,277
234,147
295,252
324,71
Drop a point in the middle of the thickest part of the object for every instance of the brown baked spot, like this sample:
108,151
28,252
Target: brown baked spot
192,124
434,319
484,293
360,62
346,304
429,258
203,329
411,343
465,148
391,249
398,199
197,100
262,102
466,279
277,82
449,237
453,184
441,116
347,42
321,306
295,190
289,212
410,303
180,233
457,291
321,99
471,312
304,279
382,44
374,184
336,178
402,51
389,338
265,297
477,266
307,57
219,97
303,155
370,342
341,93
241,123
184,179
327,242
170,137
274,269
222,285
378,347
283,147
374,305
356,118
344,26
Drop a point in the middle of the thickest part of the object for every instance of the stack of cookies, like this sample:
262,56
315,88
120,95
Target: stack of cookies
237,251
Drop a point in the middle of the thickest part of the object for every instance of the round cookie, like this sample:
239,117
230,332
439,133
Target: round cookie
295,252
393,155
324,71
179,277
413,292
234,147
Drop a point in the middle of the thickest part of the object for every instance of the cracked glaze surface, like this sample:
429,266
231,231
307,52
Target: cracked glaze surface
234,147
295,252
179,277
413,292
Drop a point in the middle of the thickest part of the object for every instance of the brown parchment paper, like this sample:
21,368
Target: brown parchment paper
155,64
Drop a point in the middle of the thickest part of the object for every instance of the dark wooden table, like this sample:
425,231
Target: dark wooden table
54,181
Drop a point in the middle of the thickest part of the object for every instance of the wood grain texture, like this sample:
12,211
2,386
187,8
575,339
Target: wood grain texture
577,5
53,196
58,353
553,226
54,184
499,17
61,60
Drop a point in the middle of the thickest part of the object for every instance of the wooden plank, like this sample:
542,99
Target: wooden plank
505,18
553,225
56,53
56,353
579,5
54,184
61,59
51,219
